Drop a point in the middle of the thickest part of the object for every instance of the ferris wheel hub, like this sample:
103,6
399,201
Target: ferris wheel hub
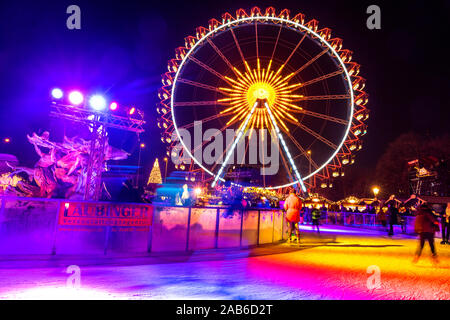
260,91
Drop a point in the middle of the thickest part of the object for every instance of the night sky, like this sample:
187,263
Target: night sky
123,48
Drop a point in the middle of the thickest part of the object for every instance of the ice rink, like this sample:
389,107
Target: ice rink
341,263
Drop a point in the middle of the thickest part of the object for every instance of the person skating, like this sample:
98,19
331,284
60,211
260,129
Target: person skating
445,224
425,225
402,212
392,204
393,218
293,205
316,215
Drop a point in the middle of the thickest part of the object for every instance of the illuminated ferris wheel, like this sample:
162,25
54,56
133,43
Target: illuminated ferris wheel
264,71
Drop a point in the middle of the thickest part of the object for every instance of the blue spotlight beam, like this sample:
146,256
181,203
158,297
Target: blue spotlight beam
285,148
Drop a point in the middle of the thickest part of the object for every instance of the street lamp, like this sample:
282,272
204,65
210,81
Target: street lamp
375,191
141,146
166,160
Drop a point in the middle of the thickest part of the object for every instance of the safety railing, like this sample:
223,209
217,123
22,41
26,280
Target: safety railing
58,226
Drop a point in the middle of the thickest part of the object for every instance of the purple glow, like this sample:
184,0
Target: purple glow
113,106
76,97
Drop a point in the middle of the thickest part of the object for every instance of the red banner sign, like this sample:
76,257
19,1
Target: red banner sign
105,214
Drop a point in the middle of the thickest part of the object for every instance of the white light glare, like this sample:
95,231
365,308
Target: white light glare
97,102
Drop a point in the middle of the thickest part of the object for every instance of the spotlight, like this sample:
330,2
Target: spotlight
113,106
132,111
7,140
142,145
76,98
57,93
97,102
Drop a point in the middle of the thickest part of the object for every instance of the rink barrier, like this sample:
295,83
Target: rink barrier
59,226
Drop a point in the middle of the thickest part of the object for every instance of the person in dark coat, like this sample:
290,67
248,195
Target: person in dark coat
392,204
316,215
382,216
445,223
393,218
425,225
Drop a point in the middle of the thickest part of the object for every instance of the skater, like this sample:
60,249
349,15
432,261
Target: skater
316,214
445,224
392,204
402,213
393,218
293,205
302,215
425,225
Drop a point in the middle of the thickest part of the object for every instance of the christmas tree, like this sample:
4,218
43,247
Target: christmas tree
155,174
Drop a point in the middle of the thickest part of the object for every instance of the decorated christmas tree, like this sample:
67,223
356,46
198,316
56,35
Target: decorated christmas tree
155,174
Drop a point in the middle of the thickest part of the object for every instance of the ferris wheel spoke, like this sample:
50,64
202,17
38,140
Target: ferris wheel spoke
310,61
198,103
315,135
321,78
324,97
198,84
276,44
322,116
256,40
285,148
234,144
228,63
303,152
283,159
285,164
211,118
213,136
205,66
293,51
237,45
